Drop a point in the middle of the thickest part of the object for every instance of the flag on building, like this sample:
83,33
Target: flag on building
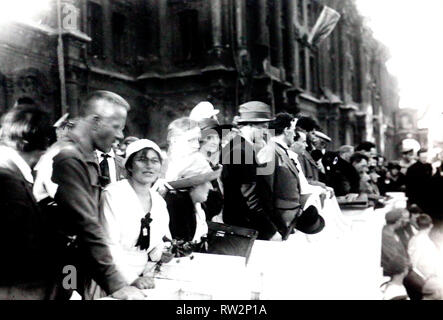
325,24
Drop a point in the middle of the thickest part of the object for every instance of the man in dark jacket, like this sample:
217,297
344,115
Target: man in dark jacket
68,182
26,267
418,178
394,181
243,204
342,176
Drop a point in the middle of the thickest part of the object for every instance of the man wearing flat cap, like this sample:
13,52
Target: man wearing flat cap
243,204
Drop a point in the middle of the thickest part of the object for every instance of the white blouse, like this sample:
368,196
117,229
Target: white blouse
121,216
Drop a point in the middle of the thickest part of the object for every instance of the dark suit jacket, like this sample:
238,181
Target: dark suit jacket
343,178
243,204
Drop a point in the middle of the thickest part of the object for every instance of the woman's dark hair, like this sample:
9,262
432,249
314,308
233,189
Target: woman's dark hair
424,221
307,123
358,157
27,128
365,146
281,122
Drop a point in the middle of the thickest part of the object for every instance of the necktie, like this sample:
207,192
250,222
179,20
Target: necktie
145,230
104,169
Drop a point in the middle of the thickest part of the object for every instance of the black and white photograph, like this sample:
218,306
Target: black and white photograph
242,151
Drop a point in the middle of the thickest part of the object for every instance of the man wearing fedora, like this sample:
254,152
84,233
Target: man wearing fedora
244,204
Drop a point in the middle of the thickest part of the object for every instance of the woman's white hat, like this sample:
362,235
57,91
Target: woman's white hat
193,171
141,144
203,110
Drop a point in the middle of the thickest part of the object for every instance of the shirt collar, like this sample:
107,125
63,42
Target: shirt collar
110,153
9,154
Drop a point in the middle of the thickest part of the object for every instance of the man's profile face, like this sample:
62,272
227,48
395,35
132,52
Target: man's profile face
312,138
290,133
260,131
110,128
300,145
362,166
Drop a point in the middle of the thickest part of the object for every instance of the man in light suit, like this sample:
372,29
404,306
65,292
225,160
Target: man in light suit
282,185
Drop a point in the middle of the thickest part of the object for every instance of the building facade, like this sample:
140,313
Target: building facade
165,56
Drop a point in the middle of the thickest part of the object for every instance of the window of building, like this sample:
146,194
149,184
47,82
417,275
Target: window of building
120,37
95,28
191,42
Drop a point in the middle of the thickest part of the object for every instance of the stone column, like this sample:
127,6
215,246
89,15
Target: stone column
278,33
72,93
239,23
263,31
216,8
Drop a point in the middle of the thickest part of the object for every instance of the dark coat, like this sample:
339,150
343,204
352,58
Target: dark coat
283,185
434,200
389,184
182,220
243,202
24,243
214,204
418,178
343,177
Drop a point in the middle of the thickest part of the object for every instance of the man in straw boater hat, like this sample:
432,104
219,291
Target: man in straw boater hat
244,205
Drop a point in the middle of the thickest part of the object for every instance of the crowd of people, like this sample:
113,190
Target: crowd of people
81,194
